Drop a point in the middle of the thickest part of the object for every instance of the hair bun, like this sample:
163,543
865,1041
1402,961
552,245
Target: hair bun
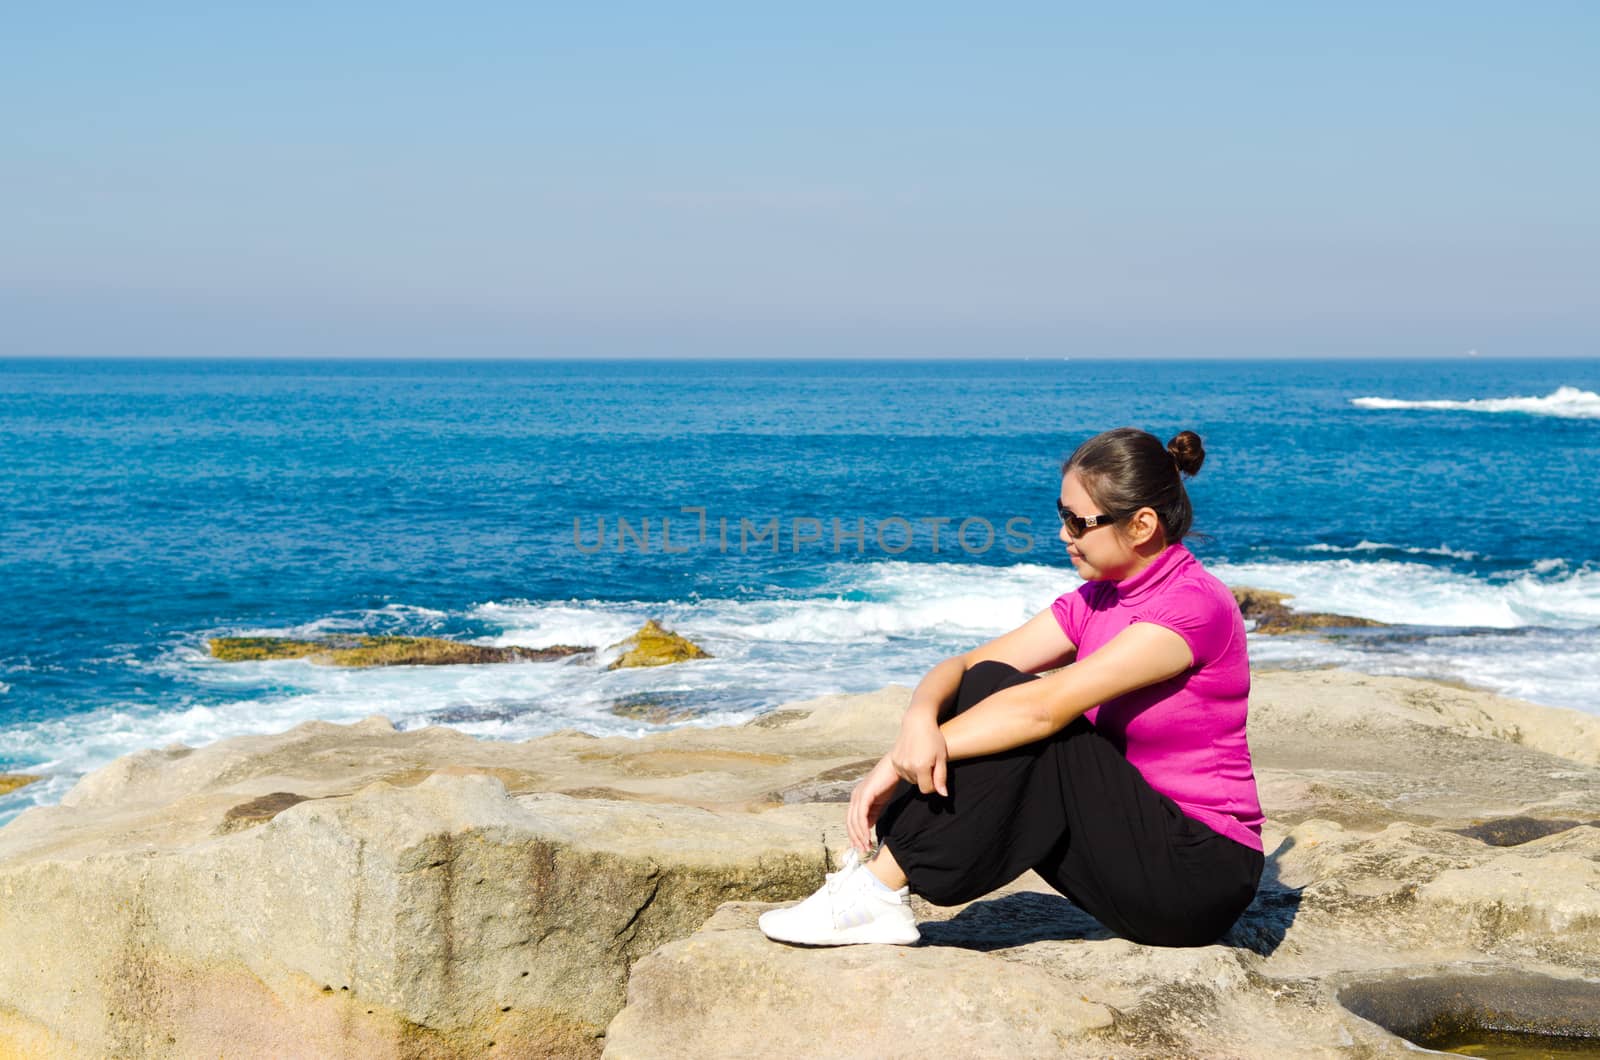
1187,452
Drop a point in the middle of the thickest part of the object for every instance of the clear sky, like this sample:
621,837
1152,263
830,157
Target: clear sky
674,179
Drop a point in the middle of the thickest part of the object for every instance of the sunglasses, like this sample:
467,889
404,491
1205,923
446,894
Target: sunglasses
1077,524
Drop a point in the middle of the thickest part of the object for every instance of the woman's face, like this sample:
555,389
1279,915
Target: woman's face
1102,552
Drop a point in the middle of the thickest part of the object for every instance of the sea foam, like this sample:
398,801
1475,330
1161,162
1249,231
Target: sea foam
1565,402
1402,592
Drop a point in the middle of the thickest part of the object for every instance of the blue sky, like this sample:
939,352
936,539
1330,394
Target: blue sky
820,180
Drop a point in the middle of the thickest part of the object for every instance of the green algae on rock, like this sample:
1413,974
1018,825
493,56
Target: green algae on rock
363,651
1271,616
252,649
654,646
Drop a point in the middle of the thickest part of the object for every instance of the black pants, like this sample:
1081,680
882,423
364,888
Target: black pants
1073,809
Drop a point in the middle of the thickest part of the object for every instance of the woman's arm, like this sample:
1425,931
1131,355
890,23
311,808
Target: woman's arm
918,755
1140,655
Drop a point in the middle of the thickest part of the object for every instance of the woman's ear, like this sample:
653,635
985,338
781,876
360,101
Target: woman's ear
1143,525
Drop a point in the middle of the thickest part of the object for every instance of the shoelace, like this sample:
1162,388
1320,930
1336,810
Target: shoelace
852,862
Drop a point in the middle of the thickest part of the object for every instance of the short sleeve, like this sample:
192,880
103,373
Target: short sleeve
1199,617
1070,610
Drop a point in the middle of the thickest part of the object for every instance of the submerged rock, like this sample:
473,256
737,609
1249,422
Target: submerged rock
1271,615
656,708
654,646
363,651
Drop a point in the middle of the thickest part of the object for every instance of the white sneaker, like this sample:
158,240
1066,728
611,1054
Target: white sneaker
851,907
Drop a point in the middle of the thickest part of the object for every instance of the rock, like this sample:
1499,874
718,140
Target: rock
1366,782
831,785
656,708
767,999
1271,615
654,646
364,651
468,714
10,782
448,911
1449,1011
253,649
258,810
1514,831
351,889
1337,907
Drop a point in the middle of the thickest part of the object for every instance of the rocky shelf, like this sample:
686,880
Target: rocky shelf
352,890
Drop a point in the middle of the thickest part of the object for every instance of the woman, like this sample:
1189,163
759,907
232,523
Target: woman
1124,779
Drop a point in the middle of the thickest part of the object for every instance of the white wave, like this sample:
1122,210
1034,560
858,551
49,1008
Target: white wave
4,688
862,602
1567,402
365,620
1415,594
1542,666
583,623
1379,546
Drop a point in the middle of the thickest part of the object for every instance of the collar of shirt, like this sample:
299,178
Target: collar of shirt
1171,560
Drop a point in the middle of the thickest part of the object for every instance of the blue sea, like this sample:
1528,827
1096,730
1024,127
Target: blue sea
818,526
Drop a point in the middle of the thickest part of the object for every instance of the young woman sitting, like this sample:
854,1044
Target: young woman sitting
1123,778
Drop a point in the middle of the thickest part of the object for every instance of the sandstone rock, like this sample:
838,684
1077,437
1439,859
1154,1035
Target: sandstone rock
1271,615
363,651
1024,973
1365,781
771,1000
448,913
354,890
654,646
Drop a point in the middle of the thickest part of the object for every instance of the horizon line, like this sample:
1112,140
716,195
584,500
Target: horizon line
714,358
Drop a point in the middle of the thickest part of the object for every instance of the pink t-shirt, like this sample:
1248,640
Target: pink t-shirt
1185,734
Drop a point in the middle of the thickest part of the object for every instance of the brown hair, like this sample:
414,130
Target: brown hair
1128,469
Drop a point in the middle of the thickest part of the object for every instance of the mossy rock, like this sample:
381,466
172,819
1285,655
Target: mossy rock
10,782
364,651
654,646
1271,615
252,649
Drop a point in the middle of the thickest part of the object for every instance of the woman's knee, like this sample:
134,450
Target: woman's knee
983,679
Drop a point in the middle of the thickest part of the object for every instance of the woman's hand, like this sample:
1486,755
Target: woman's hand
867,800
919,754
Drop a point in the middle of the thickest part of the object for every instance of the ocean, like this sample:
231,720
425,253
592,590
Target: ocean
817,526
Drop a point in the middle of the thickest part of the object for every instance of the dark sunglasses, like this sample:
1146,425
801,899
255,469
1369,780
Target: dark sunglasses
1077,524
